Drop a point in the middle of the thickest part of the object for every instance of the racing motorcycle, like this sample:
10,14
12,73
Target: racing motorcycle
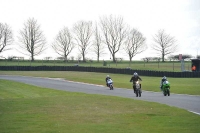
110,84
138,90
166,88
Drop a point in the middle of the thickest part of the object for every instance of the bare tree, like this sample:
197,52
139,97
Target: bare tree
83,32
147,59
32,38
63,44
184,56
98,43
114,31
164,44
173,58
135,44
6,37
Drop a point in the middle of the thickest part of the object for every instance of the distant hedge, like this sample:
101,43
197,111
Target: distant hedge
102,70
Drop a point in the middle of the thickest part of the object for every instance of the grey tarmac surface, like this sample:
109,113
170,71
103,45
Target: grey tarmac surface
187,102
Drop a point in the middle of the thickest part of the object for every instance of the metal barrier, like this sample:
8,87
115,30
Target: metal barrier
103,70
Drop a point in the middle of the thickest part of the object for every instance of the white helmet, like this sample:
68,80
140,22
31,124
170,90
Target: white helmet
135,74
165,78
107,76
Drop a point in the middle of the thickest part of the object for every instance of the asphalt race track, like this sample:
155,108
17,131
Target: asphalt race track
188,102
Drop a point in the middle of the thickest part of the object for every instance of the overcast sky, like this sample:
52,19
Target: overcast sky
179,18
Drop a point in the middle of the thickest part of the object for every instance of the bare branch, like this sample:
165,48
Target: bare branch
114,31
6,37
135,44
63,44
98,43
83,32
32,38
164,44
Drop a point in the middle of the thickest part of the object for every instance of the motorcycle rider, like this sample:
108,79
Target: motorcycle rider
107,78
135,78
161,82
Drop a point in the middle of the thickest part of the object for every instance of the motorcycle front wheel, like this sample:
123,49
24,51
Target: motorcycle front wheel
164,93
139,92
111,87
136,92
168,92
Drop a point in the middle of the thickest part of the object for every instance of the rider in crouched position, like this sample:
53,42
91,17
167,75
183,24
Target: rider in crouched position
134,79
161,82
107,78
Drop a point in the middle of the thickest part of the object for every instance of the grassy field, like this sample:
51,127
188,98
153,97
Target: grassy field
139,65
31,109
178,85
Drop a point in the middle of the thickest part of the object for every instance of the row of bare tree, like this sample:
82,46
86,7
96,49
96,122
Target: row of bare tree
170,58
110,31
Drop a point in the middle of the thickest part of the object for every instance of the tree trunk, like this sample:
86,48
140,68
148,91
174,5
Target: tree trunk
32,57
163,58
98,57
65,58
113,56
84,58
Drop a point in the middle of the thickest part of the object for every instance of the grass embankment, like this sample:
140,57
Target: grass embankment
178,85
31,109
136,65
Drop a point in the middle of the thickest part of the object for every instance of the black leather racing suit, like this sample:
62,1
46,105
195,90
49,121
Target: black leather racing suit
107,80
134,79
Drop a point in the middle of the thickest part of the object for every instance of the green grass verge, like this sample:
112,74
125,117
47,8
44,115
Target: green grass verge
178,85
30,109
141,65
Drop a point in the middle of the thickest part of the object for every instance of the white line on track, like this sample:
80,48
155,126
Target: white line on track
194,112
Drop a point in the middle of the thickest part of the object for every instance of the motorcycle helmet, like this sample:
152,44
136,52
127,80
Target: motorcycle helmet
135,74
165,78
